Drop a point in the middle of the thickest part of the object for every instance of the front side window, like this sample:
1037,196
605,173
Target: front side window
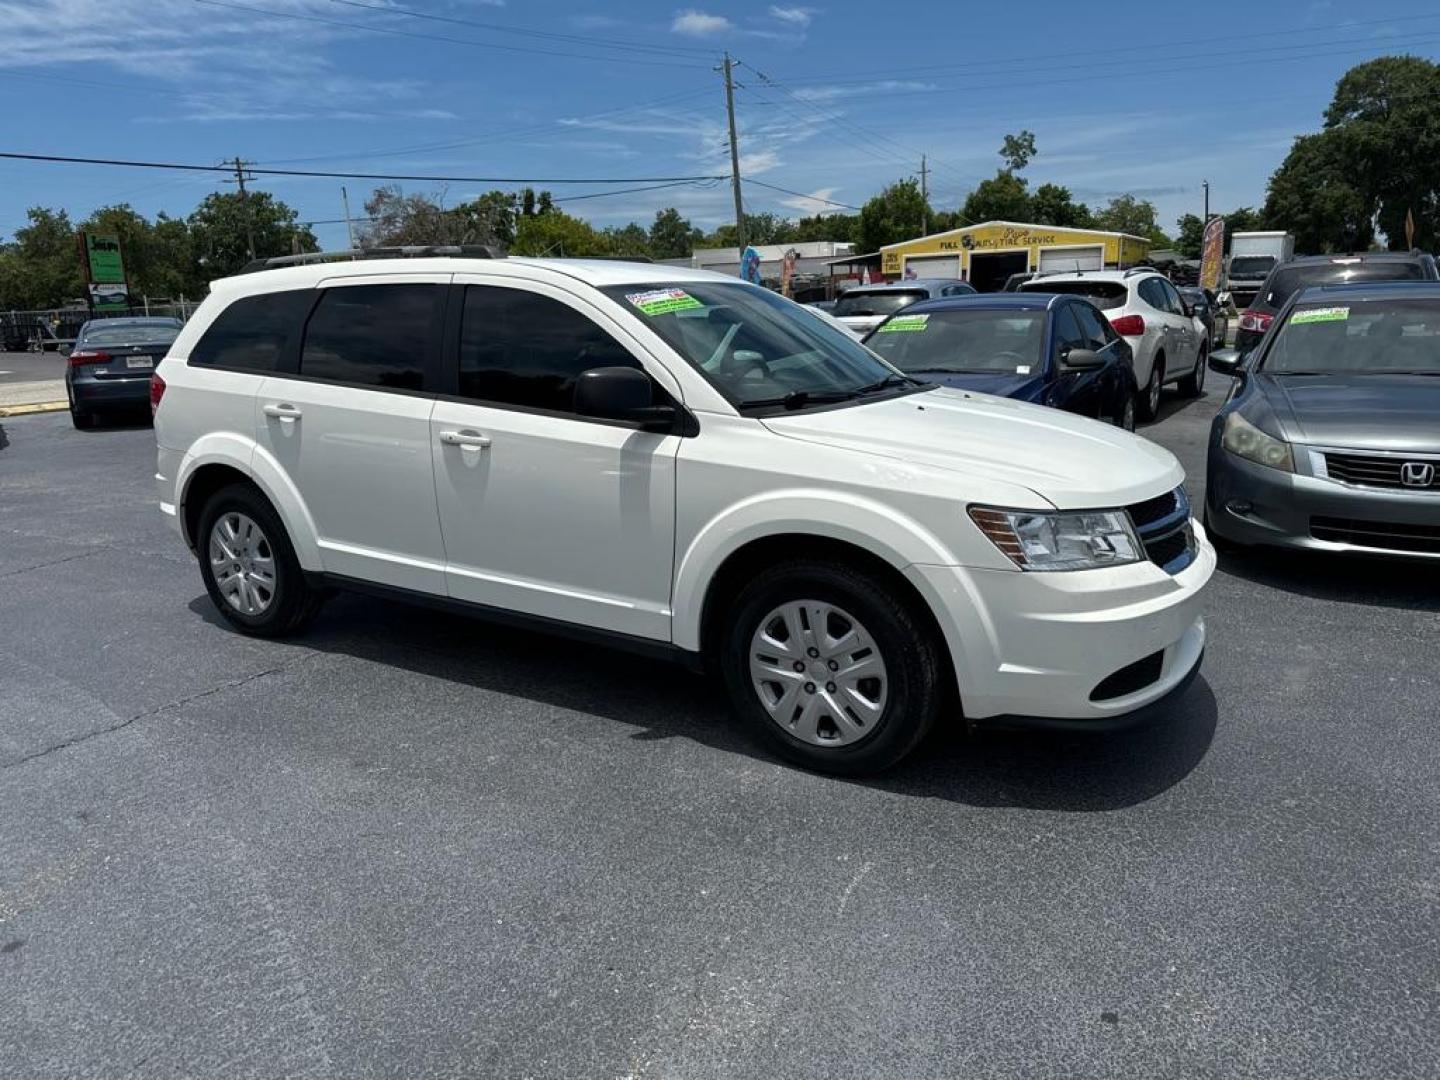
1367,337
1067,331
521,348
963,342
757,348
253,333
372,335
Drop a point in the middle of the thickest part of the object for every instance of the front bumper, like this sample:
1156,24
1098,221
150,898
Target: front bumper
1252,504
1038,645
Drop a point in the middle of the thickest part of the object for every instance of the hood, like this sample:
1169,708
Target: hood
1348,409
999,383
1072,462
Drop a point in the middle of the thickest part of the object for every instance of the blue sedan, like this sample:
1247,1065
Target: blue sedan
1053,350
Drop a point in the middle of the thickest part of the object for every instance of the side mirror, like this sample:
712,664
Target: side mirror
1227,361
621,393
1081,360
1188,308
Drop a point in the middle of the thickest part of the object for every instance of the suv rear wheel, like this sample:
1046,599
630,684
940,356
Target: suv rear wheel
830,668
249,565
1148,406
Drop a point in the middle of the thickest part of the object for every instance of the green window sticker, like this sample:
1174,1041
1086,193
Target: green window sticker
663,301
900,323
1324,314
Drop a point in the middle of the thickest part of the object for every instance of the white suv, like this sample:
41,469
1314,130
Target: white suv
1167,342
679,462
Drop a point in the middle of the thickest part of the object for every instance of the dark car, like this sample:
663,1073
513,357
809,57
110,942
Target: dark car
1209,311
1050,349
1331,440
1295,274
110,365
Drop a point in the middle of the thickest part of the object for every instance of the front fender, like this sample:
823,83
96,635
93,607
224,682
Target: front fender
868,525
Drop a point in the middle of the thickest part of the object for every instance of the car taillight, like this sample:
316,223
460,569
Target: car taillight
157,391
87,356
1128,325
1257,321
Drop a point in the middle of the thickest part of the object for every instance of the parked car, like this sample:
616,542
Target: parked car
1209,311
1014,281
826,317
677,462
1052,350
1331,440
827,306
864,307
108,369
1290,277
1167,343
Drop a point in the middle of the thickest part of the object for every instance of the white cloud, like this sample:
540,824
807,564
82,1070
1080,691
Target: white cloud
700,24
817,202
795,16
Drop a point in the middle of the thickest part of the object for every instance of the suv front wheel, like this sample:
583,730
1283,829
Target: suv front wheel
249,565
830,668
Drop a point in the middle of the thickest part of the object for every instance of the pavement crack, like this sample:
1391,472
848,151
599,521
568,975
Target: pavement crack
65,744
54,562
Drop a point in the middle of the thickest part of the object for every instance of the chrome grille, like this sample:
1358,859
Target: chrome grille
1373,470
1163,525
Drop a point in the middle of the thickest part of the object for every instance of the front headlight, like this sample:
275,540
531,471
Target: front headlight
1083,540
1244,439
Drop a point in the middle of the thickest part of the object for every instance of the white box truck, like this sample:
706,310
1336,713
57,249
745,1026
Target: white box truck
1252,256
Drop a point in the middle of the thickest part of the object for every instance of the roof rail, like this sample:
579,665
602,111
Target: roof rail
1141,270
405,251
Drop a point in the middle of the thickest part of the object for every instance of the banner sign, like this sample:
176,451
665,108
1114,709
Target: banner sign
104,263
109,297
750,265
1212,254
787,272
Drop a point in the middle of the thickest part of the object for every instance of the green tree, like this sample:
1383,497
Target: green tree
761,228
1316,196
672,236
42,268
1053,204
1127,214
557,233
1004,197
897,213
1017,150
840,228
1189,235
221,225
489,219
419,218
628,240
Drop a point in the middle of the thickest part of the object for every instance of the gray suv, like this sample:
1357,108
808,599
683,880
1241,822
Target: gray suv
864,307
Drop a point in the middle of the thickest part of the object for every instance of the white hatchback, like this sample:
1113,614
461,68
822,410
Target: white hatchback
1167,342
681,463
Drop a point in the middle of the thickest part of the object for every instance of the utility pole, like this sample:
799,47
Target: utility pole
1206,185
240,178
734,155
924,198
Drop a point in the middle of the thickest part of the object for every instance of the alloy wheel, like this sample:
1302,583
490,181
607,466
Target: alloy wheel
243,563
1127,417
818,673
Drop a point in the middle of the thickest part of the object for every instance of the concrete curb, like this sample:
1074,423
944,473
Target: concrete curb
36,407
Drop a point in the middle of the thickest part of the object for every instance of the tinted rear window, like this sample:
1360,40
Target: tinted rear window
1290,278
876,303
373,335
1251,265
132,334
253,333
1106,294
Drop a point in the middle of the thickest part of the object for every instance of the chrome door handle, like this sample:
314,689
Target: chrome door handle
285,413
464,438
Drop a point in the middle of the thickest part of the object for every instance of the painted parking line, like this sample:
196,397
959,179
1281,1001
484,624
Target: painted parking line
36,407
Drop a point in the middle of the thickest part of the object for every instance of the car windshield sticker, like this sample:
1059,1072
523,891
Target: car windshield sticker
1022,369
663,301
1324,314
905,322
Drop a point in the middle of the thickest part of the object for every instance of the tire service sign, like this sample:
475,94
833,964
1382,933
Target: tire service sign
105,271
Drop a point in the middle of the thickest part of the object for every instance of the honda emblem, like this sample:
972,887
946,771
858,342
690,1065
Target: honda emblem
1417,474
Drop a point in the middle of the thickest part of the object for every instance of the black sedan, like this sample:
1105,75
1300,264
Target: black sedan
1331,440
1052,350
110,364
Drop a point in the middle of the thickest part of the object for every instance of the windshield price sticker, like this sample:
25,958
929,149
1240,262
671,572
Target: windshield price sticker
905,322
1324,314
663,301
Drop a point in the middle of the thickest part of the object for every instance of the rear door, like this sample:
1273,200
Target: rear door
1188,330
350,426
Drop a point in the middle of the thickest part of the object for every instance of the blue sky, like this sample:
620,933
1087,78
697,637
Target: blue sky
836,98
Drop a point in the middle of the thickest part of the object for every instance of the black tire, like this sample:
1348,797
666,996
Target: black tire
1193,385
83,419
1147,401
1125,418
292,602
914,667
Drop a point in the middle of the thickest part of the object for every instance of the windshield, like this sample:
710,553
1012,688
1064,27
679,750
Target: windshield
1251,265
876,303
132,334
963,341
1371,336
755,347
1106,294
1293,278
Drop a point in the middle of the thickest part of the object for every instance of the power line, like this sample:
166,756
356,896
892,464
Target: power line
353,175
800,194
628,191
350,24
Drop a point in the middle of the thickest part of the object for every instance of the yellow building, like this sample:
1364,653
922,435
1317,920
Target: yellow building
985,255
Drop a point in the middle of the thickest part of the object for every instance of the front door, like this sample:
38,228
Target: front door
351,428
543,511
1074,391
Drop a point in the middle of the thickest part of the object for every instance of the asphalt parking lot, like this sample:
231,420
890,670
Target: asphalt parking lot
411,845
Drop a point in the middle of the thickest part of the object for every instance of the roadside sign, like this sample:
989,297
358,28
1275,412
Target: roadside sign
104,263
1212,253
109,297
